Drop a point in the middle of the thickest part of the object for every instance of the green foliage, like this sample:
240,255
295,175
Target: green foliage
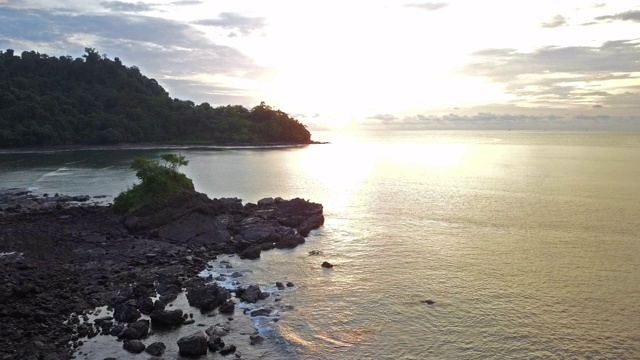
48,101
158,180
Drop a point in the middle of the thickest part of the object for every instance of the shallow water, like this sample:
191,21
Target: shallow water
526,241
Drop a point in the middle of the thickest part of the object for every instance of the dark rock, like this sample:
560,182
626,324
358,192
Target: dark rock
327,265
215,343
252,294
158,305
189,322
228,307
229,349
116,330
23,290
218,330
315,252
252,252
141,327
188,217
290,284
260,312
126,313
193,345
166,318
311,223
156,349
81,198
208,297
134,346
258,230
146,306
265,202
255,339
289,239
279,285
428,302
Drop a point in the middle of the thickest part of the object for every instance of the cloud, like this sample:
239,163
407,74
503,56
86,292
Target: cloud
632,15
187,2
562,76
126,6
495,121
556,21
159,47
429,6
234,21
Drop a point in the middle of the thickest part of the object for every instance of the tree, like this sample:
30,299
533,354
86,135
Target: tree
158,181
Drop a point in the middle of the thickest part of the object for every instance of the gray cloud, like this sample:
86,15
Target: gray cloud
429,6
187,2
159,47
494,121
233,21
548,76
126,6
632,15
556,21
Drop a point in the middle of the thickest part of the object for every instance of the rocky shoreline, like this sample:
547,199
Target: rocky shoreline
61,257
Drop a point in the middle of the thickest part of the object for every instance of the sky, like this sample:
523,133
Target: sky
374,64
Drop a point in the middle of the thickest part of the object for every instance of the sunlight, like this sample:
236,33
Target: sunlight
340,169
435,155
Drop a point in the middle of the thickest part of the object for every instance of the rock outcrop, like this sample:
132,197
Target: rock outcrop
191,218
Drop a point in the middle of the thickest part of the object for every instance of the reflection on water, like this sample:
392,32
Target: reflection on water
527,242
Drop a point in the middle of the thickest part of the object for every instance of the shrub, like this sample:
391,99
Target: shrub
158,180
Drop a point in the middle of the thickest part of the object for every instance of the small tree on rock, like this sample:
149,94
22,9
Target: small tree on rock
158,181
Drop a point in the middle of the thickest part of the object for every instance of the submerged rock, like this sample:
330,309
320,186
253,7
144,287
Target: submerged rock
252,294
326,265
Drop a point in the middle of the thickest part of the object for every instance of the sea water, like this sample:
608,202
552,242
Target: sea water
527,242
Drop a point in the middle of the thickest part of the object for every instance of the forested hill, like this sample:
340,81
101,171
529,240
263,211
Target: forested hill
46,100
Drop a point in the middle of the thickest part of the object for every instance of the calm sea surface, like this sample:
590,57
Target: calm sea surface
528,242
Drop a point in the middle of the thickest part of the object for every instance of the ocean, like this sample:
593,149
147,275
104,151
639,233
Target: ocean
528,243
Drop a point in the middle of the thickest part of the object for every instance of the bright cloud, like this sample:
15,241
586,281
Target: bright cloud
525,62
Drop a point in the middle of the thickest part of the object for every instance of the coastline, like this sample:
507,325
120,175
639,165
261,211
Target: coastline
155,146
62,260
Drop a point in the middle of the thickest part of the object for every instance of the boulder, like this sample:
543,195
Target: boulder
252,252
289,239
166,318
215,343
133,346
258,230
313,222
255,339
193,345
126,313
156,349
146,306
327,265
229,349
141,327
227,308
219,330
208,297
252,294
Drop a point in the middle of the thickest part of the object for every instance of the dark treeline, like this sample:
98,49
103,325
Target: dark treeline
47,100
